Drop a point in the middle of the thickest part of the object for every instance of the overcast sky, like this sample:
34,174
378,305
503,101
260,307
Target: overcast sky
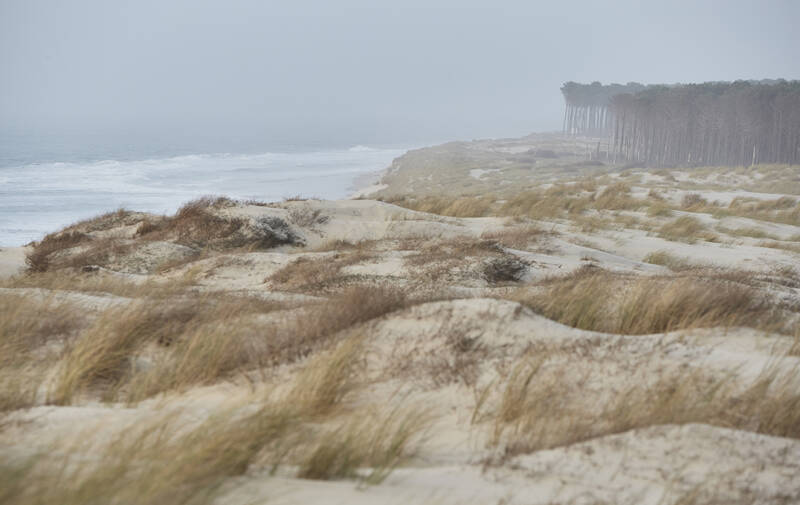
339,72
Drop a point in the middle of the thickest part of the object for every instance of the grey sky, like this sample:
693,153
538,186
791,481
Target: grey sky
369,72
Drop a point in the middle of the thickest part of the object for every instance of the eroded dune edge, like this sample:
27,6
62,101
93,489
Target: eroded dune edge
503,323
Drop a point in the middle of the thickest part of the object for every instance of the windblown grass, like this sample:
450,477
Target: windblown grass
144,349
460,206
167,460
532,408
669,260
593,299
367,447
27,326
327,378
686,229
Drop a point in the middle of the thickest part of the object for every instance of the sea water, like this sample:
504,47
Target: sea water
38,197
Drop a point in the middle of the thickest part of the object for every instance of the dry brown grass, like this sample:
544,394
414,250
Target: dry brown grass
517,237
686,229
751,232
459,206
367,446
314,327
795,248
101,282
328,377
316,274
27,326
669,260
533,408
659,209
157,463
434,262
617,197
593,299
169,460
552,203
198,224
141,349
197,340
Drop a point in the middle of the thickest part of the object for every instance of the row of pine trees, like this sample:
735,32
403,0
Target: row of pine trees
715,123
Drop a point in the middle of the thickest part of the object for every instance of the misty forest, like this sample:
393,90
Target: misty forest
713,123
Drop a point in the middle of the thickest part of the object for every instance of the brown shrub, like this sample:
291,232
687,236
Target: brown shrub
39,258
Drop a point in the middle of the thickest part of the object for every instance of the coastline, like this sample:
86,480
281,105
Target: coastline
367,184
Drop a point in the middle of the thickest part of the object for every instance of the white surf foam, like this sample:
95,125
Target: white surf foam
39,198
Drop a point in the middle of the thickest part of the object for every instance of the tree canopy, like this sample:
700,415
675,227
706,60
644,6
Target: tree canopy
725,123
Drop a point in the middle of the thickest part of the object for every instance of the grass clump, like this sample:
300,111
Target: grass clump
194,341
27,326
534,408
686,229
198,225
320,272
461,206
327,378
669,260
593,299
368,447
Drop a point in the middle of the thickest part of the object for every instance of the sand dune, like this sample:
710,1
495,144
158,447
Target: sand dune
461,347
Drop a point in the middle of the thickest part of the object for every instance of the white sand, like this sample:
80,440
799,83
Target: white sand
12,261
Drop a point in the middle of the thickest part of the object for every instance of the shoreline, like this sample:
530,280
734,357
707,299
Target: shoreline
367,184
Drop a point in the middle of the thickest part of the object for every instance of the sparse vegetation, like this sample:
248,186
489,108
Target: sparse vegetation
328,372
535,408
686,229
198,225
669,260
593,299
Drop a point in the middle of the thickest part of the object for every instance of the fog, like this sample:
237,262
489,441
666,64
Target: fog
246,72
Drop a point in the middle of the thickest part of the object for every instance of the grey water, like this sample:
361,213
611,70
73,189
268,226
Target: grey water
48,182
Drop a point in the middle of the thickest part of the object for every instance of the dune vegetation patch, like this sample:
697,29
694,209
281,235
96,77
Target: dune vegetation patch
535,406
140,348
669,260
198,225
597,300
687,229
166,460
322,273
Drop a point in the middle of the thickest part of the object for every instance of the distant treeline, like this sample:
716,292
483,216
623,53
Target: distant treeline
715,123
587,111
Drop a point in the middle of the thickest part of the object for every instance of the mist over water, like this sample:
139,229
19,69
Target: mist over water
108,104
41,197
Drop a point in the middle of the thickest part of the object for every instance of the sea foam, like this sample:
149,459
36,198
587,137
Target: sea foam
38,198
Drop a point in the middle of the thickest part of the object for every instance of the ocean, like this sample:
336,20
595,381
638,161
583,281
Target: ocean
41,195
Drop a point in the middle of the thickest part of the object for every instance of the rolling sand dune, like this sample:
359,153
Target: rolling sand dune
522,330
